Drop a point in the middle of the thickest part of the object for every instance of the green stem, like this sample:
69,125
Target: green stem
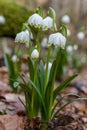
29,47
37,41
35,76
18,49
46,72
58,60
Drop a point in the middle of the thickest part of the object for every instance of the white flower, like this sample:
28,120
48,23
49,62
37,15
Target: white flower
44,42
35,20
57,39
49,66
2,19
14,58
69,48
66,19
68,32
75,47
35,54
80,35
47,23
22,37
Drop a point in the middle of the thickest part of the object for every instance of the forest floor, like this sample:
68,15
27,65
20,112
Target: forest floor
72,117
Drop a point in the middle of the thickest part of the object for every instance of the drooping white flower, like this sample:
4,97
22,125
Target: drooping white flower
68,32
66,19
69,48
2,19
47,23
57,39
75,47
35,20
44,42
35,54
22,37
80,35
14,58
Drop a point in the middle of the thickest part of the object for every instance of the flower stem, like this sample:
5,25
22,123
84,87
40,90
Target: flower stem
35,76
47,62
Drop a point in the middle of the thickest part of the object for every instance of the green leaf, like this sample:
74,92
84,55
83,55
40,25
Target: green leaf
77,99
55,66
60,100
50,85
11,71
41,77
38,92
62,86
31,68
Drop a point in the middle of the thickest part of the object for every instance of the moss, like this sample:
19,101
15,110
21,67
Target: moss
15,15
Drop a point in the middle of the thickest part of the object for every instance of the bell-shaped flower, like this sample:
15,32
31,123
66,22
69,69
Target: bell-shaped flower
66,19
80,35
35,54
2,19
35,20
57,39
22,37
47,23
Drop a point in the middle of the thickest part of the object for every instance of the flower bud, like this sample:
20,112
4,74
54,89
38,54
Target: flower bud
57,39
35,20
35,54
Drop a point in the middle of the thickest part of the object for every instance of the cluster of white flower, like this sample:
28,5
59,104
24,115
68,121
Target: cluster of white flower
56,39
2,19
37,21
